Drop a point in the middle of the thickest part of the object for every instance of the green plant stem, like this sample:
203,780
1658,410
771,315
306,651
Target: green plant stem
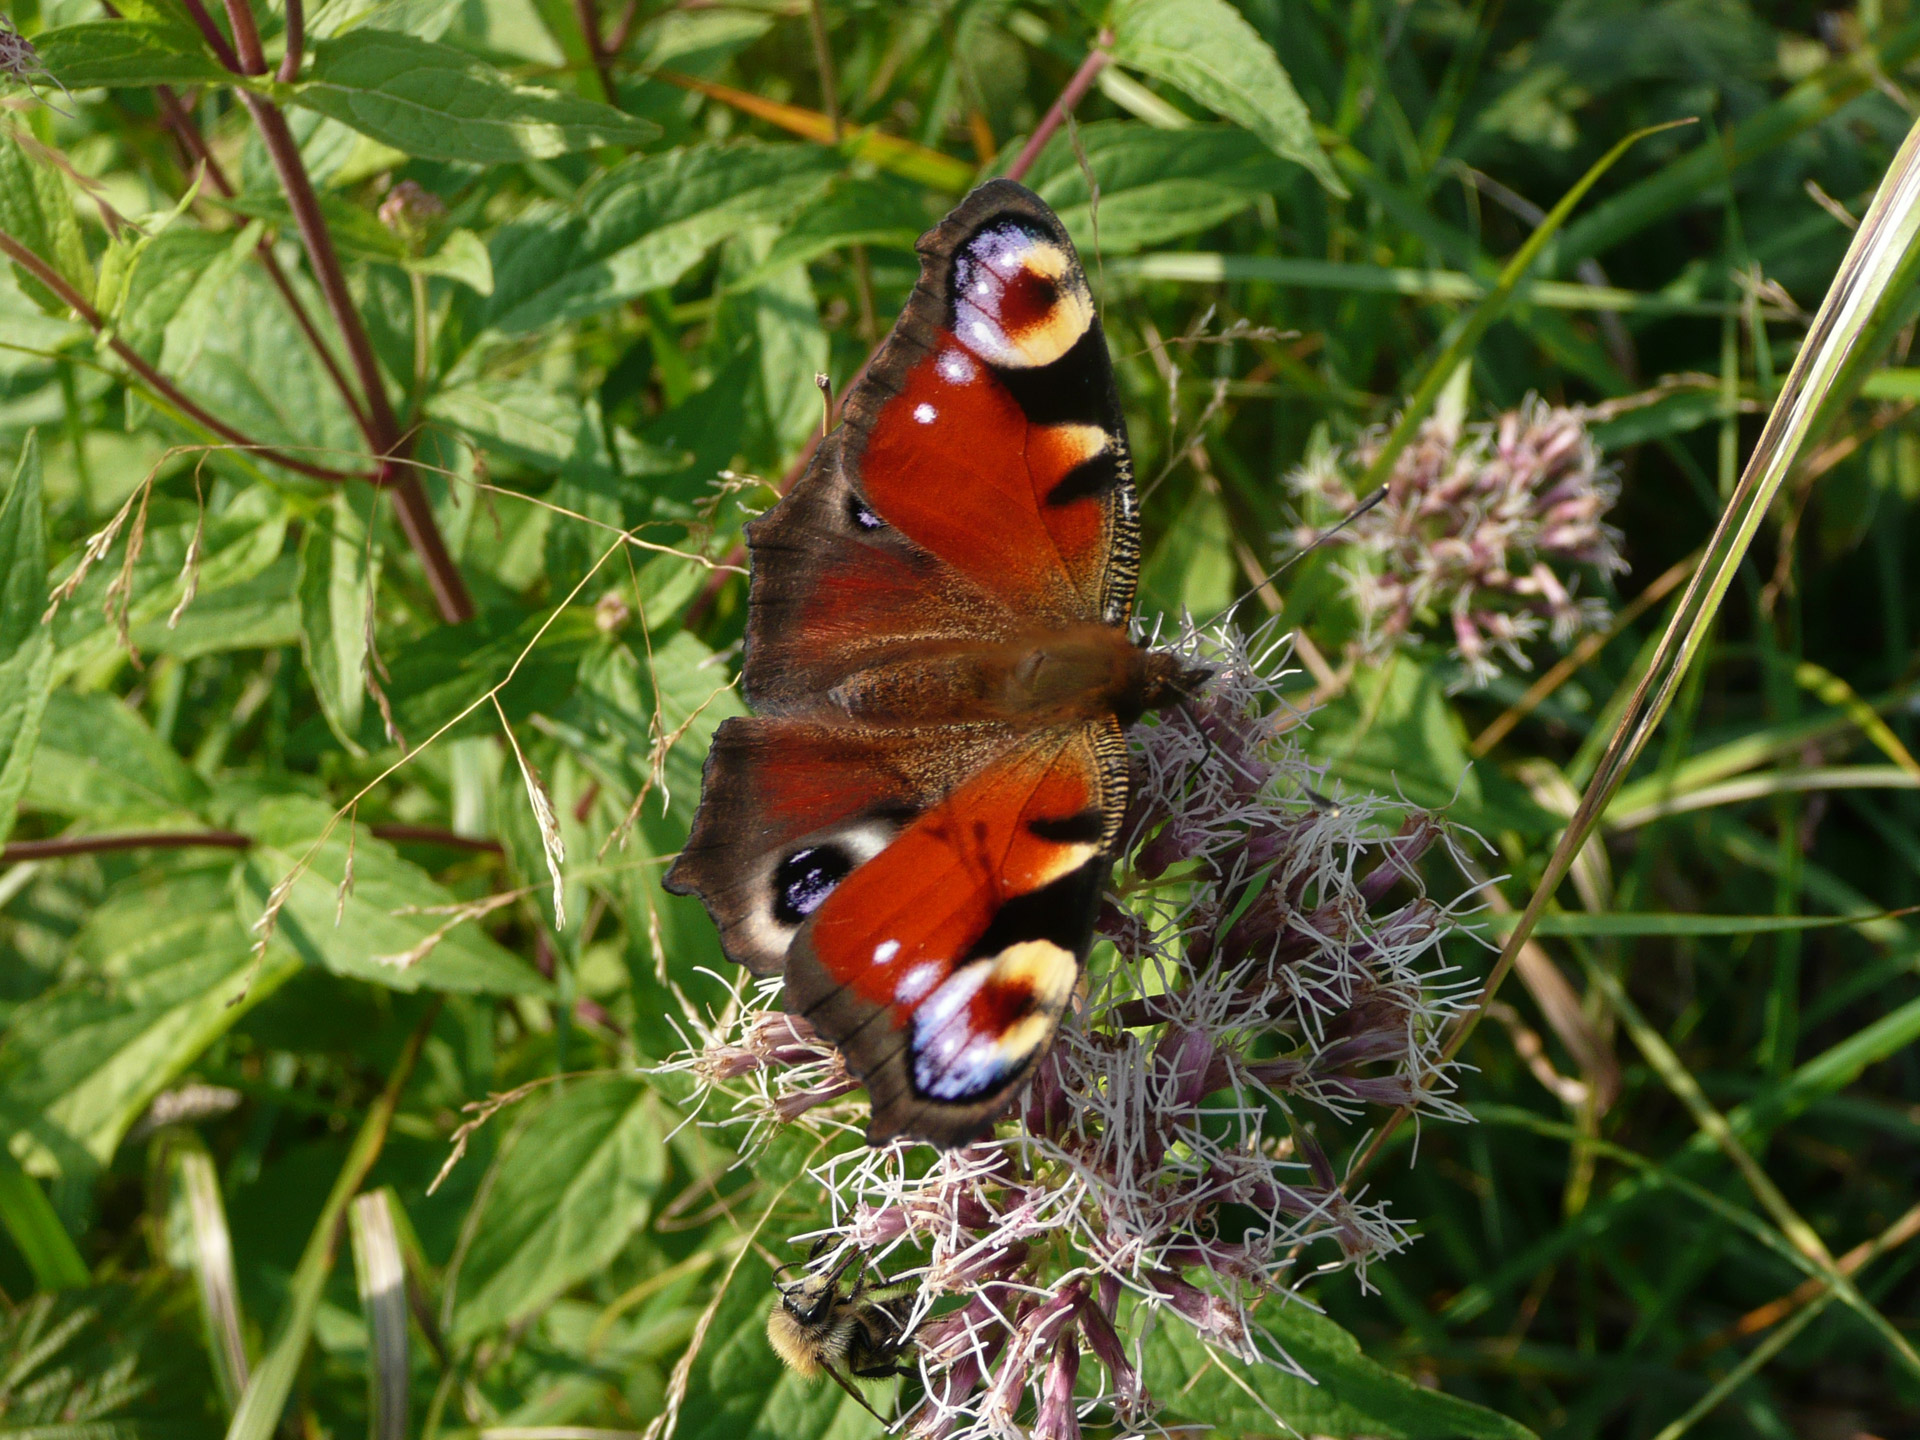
589,19
170,392
1745,1370
272,1381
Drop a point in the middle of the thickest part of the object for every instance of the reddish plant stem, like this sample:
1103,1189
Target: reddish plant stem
1097,60
217,42
142,840
221,840
589,19
195,145
411,506
246,38
434,835
622,28
289,69
51,278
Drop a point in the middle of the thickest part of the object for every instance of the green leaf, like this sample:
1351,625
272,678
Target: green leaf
339,573
461,257
644,224
852,210
126,53
545,429
439,103
178,289
37,210
167,968
392,912
1351,1395
26,644
1155,185
788,343
100,760
568,1191
1207,49
35,1229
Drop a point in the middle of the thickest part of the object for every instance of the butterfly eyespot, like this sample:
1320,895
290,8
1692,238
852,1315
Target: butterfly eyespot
860,517
805,878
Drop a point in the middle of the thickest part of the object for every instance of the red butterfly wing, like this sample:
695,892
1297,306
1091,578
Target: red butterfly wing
788,808
980,484
941,966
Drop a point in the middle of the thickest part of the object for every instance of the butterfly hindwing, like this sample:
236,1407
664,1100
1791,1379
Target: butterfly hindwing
789,808
941,967
981,481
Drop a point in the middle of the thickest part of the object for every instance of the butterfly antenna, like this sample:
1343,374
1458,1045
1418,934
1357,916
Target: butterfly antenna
823,382
1325,535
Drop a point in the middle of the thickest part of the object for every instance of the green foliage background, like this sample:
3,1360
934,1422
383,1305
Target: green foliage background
649,242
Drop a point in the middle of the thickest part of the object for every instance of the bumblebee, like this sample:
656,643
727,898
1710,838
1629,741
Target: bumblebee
817,1326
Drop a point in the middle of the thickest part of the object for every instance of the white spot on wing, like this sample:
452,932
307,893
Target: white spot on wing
924,413
918,981
885,951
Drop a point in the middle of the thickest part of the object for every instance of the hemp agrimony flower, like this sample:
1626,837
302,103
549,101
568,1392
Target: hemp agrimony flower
1484,529
1272,965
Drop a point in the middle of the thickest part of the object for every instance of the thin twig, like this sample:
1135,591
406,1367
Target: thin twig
1097,60
173,395
68,845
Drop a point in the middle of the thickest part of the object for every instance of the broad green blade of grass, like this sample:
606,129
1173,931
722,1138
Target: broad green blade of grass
258,1415
1475,324
36,1230
1881,250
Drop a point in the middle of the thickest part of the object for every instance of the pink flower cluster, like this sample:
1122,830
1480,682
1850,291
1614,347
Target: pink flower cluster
1273,967
1485,530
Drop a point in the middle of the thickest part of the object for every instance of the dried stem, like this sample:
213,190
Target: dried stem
170,392
1097,60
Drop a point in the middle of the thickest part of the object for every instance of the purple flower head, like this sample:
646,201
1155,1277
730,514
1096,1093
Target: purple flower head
1268,964
1484,535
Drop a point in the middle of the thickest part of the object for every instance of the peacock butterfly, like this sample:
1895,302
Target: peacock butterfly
918,821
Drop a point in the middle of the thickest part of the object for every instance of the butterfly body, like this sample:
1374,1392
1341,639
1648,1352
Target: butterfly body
916,824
